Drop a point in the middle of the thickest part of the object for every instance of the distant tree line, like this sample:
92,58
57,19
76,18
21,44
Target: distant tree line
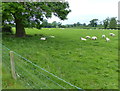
108,23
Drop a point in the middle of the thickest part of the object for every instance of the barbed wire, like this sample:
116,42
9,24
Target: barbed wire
34,76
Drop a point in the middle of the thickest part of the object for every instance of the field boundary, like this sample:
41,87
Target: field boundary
21,66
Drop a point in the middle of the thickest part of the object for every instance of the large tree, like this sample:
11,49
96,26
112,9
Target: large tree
32,13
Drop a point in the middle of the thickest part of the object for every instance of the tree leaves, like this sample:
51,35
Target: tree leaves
39,10
33,13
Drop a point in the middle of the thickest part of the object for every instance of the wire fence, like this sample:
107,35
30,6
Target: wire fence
33,76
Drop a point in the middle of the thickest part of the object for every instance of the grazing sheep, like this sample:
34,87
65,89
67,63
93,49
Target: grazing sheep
43,38
107,39
87,37
82,38
112,34
52,36
103,36
94,38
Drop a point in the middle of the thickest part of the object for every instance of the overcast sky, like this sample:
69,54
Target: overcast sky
85,10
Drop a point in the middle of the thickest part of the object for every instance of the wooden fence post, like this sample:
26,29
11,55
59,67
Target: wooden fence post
12,65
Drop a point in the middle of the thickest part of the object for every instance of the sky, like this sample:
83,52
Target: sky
85,10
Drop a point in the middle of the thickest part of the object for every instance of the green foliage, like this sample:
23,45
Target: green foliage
106,22
34,12
7,29
93,22
113,23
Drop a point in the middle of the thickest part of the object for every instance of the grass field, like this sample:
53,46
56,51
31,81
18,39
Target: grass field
91,64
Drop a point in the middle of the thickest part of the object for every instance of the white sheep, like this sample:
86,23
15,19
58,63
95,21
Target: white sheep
87,37
107,39
103,36
94,38
83,39
52,36
43,38
112,34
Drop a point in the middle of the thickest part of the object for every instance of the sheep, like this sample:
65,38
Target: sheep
112,34
103,36
107,39
43,38
82,38
87,37
52,36
94,38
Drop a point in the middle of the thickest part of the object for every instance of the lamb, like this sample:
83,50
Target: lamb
94,38
112,34
83,39
107,39
103,36
87,37
43,38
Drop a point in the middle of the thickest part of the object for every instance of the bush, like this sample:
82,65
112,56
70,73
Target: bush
7,29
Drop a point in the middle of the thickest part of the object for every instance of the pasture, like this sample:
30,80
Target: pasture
90,64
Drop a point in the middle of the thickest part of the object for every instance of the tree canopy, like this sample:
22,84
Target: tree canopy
106,22
32,13
93,22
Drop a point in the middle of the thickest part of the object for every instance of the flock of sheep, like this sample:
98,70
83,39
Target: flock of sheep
95,38
84,39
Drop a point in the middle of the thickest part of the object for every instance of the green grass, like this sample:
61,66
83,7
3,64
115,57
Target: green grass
8,82
91,64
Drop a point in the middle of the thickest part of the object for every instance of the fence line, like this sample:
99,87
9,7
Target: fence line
47,75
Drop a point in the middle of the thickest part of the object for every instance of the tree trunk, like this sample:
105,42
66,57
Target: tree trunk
20,31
